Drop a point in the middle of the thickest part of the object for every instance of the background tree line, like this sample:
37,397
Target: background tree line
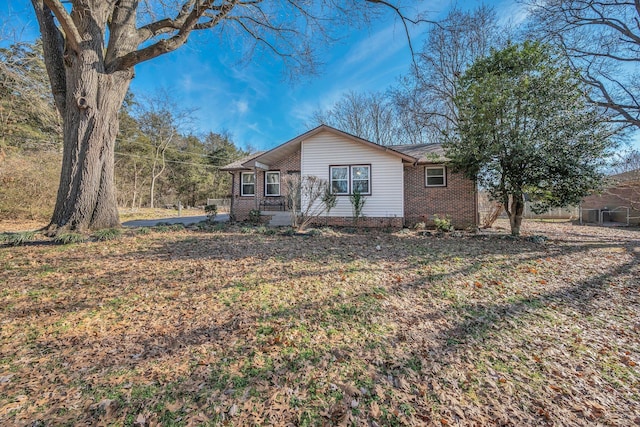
159,160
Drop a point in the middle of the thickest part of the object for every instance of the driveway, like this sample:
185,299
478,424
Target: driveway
186,220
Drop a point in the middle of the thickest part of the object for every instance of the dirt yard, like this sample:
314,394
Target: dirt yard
248,326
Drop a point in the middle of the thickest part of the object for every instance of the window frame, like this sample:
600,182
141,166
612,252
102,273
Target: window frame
266,184
444,176
331,180
242,184
350,178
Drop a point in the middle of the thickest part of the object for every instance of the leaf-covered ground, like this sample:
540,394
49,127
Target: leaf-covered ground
234,327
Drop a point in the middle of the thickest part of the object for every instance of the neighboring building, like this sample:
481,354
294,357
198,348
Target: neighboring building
618,202
403,184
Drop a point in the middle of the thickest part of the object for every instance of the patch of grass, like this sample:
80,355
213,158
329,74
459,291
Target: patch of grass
17,239
69,238
107,234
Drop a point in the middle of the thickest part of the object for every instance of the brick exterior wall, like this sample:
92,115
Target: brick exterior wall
626,194
241,205
458,199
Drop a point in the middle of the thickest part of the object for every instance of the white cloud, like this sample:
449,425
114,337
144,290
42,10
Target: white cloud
241,106
512,13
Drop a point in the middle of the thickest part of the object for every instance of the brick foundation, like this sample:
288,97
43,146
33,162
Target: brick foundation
367,222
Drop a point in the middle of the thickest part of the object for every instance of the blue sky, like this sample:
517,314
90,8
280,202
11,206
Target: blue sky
253,101
259,107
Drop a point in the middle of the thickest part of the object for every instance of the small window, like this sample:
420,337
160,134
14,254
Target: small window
272,184
360,179
340,179
248,184
436,176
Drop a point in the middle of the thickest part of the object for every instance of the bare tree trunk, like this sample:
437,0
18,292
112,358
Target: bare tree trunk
87,196
154,175
135,185
492,216
515,214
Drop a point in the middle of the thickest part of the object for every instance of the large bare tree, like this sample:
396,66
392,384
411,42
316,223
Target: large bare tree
92,46
427,95
371,116
601,38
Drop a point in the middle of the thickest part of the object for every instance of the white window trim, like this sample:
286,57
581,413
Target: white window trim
351,179
242,193
331,168
444,176
266,186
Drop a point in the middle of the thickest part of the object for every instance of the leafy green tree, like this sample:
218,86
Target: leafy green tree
221,150
525,128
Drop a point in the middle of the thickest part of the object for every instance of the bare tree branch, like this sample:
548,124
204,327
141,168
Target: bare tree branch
72,36
53,46
171,44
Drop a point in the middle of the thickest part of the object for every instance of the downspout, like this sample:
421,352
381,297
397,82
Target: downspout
476,215
255,188
233,193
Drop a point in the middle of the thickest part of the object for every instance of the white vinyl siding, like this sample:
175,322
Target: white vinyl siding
248,184
272,184
386,173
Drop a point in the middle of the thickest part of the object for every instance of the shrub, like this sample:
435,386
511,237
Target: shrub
107,234
357,200
211,211
443,223
265,230
255,216
17,239
288,231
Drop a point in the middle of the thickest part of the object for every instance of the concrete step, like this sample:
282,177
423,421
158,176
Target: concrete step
278,218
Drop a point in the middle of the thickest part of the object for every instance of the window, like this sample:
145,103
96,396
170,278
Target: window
435,176
360,179
272,184
339,179
248,185
348,179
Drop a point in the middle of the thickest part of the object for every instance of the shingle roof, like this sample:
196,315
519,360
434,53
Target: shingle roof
633,175
237,165
425,153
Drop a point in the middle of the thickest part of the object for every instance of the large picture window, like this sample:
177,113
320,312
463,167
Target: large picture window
248,185
435,176
349,179
272,184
